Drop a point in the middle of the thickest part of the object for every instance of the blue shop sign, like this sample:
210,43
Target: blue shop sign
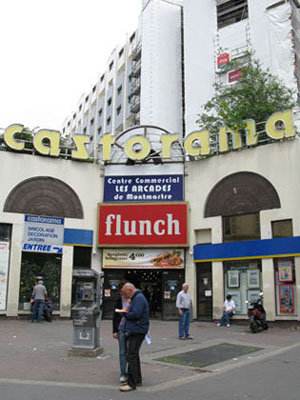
143,188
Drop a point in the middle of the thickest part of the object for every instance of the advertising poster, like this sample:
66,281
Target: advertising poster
4,257
43,234
144,259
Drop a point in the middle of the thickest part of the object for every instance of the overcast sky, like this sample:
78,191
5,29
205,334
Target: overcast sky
52,51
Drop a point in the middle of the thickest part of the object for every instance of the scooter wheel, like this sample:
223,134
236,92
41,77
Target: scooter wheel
265,326
254,327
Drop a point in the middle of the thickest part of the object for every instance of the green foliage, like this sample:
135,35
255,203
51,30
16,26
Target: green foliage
26,136
256,96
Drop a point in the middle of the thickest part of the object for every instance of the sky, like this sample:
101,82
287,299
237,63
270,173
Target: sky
52,51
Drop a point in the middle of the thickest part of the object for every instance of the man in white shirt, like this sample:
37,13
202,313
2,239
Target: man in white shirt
228,311
183,304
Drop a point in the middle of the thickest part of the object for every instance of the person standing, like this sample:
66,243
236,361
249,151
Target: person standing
183,304
119,323
137,325
39,294
228,311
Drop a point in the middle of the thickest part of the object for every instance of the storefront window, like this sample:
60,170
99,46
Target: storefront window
243,280
286,301
46,266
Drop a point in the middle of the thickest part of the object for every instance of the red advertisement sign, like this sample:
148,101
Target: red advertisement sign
234,76
142,224
223,59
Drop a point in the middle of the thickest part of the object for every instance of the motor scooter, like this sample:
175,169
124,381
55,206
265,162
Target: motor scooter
257,314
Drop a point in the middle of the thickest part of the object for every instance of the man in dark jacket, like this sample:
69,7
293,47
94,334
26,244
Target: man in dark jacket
137,325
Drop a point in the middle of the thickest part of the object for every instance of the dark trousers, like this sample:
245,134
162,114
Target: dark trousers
134,374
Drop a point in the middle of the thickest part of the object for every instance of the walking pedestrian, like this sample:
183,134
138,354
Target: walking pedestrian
137,325
183,304
39,294
119,322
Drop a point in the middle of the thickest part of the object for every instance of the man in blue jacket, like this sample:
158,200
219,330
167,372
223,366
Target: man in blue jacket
137,325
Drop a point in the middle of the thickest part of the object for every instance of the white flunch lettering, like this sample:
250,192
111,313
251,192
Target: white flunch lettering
116,226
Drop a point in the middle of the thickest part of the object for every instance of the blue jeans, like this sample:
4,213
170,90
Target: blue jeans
226,317
122,352
184,323
38,306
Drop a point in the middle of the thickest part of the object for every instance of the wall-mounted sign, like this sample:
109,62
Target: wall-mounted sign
222,60
138,147
143,188
142,224
43,234
4,261
143,258
234,76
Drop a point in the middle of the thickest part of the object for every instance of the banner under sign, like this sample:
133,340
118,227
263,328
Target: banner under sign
4,257
144,259
43,234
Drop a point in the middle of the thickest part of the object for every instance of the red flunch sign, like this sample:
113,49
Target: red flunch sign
150,224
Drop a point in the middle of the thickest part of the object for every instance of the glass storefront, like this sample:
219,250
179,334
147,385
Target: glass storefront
46,266
243,281
160,287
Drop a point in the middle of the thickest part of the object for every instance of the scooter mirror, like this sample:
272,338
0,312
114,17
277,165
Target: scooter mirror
261,293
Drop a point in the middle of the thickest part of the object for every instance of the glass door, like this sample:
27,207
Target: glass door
172,281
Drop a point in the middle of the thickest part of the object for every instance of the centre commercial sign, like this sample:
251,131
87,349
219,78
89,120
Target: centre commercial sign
190,144
143,225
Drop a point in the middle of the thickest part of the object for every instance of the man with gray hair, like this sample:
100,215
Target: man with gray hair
183,304
39,294
137,325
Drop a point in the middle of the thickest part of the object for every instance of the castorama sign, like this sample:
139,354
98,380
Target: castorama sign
148,225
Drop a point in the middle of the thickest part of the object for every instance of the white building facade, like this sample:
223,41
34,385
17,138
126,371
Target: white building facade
237,210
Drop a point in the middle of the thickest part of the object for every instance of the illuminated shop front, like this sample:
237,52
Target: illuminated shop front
140,229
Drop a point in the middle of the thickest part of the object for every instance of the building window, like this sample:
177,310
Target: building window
281,229
109,102
87,99
286,294
69,123
132,37
82,257
108,121
241,227
80,107
119,110
119,90
74,116
92,122
102,78
121,52
99,130
100,112
230,12
94,89
84,130
111,65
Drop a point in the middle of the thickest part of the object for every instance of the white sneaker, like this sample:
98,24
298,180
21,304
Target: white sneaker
123,379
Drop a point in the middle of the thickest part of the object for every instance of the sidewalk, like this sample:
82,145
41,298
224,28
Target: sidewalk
39,352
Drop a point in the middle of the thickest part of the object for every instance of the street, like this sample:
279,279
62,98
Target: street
34,373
